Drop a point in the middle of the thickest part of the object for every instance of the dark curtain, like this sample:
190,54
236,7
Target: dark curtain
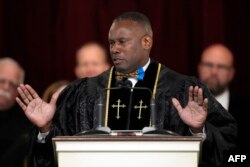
43,35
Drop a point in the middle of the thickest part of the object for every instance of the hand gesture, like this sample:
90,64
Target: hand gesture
195,113
37,111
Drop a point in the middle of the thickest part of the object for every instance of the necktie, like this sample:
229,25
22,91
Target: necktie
138,74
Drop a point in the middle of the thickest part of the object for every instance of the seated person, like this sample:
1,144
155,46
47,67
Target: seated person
91,60
216,70
14,126
52,88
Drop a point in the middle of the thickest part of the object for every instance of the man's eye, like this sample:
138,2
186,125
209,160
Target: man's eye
122,41
111,43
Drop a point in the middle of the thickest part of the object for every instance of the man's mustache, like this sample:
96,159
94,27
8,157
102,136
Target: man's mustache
5,94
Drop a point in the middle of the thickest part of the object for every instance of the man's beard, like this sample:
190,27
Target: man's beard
217,88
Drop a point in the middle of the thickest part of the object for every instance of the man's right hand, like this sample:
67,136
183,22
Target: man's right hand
37,111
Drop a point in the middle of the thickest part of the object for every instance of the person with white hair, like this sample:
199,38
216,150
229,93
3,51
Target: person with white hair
11,75
14,126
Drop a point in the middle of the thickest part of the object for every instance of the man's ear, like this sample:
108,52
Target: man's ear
231,74
77,72
147,42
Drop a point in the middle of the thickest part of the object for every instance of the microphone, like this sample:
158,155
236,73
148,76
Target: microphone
128,85
124,84
153,129
100,128
100,121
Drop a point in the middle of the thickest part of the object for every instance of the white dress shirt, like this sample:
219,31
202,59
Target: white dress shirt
223,99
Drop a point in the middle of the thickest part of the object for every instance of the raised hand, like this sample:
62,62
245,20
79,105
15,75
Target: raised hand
195,113
37,111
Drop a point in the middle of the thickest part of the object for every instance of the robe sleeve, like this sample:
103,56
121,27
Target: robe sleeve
72,116
220,126
221,131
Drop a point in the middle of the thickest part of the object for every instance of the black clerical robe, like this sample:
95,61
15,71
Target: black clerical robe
14,131
77,105
239,108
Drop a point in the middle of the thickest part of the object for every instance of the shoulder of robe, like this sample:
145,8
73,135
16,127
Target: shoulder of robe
86,85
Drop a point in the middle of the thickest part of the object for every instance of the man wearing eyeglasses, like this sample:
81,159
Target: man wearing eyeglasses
13,124
216,70
11,75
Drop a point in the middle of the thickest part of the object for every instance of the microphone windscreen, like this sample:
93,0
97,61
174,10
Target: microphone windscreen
128,83
119,83
124,84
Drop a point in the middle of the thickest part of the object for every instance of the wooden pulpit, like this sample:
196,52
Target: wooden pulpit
127,151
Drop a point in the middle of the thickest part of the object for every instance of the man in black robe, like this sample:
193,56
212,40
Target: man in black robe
181,98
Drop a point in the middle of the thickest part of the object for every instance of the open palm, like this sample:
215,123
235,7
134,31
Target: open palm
195,113
37,111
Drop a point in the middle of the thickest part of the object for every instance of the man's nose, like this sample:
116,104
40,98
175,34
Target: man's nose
214,70
6,85
115,49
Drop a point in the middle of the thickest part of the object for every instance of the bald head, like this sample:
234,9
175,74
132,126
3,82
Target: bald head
216,68
91,60
219,54
11,75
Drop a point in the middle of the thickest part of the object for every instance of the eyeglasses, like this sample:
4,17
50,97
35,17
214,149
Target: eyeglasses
12,85
220,67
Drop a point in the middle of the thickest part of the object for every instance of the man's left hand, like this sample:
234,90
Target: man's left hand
195,113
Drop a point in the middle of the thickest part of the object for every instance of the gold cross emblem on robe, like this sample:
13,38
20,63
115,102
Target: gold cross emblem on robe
118,106
140,108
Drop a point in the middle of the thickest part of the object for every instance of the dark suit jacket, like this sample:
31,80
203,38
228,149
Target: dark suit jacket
14,130
239,108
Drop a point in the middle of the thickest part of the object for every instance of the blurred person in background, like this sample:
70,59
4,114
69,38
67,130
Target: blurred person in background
52,88
216,70
91,60
14,126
